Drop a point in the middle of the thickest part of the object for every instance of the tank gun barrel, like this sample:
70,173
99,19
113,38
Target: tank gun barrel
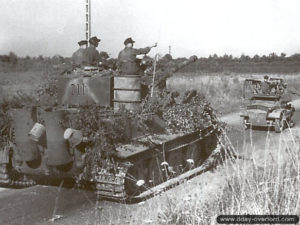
184,63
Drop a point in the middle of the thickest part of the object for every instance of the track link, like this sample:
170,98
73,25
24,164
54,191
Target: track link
112,186
7,179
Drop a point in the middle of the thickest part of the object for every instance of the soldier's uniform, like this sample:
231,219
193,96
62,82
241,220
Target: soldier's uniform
127,61
91,55
265,86
77,57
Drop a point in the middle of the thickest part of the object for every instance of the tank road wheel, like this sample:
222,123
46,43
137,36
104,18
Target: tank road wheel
279,125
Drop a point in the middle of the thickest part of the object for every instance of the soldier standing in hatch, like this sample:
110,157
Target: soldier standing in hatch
127,61
77,57
91,55
265,86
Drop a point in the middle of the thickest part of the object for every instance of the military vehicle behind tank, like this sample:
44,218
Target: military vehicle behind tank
97,129
267,109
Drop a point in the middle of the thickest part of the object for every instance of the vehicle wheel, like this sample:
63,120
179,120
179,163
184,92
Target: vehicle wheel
279,125
291,123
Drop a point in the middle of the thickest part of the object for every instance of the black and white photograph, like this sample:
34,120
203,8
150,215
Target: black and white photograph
148,112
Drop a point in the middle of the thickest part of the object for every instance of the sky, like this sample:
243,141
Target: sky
190,27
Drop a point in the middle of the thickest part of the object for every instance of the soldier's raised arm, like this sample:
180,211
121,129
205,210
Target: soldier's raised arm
143,51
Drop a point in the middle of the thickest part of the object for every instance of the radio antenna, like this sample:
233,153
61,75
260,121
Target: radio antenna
88,19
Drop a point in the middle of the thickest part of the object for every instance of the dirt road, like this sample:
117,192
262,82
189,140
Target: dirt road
39,204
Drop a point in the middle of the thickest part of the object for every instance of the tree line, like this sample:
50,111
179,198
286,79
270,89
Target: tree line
213,63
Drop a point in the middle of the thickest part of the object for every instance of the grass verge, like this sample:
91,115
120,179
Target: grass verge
267,183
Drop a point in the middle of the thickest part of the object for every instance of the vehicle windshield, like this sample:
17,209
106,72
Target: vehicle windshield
270,90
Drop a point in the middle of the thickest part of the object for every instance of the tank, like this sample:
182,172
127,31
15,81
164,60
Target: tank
96,130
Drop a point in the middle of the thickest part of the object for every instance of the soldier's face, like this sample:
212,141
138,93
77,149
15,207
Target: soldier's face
129,45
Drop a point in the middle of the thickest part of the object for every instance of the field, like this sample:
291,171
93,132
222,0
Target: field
224,91
21,84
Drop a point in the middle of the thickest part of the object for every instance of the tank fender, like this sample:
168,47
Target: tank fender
244,114
57,147
275,114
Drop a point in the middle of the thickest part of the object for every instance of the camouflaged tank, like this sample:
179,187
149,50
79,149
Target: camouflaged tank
78,129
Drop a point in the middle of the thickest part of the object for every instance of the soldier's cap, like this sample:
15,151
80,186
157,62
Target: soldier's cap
83,42
128,40
266,77
94,39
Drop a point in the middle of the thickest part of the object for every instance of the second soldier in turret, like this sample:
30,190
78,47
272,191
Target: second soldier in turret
91,55
77,56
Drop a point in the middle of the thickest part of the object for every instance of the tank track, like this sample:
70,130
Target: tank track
113,186
10,180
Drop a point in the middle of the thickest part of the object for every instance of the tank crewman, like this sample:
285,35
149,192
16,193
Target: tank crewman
103,57
91,55
265,86
127,61
77,57
106,63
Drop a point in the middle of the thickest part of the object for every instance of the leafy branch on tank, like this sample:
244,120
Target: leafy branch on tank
102,129
184,112
106,129
48,91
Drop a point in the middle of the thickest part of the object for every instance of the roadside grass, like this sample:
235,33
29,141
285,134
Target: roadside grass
267,183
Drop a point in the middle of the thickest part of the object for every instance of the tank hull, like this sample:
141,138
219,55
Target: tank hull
136,169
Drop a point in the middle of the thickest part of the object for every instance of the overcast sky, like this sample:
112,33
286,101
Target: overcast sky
201,27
